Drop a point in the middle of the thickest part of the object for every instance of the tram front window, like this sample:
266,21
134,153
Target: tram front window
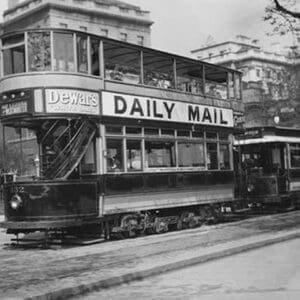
21,153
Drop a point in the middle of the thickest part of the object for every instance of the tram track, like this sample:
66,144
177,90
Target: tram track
67,266
38,240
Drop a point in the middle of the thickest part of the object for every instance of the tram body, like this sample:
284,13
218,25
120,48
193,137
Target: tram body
101,132
270,165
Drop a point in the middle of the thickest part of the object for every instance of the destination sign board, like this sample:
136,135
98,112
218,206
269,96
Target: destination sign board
72,101
9,109
129,106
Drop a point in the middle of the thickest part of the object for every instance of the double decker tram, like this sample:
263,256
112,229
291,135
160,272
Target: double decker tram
270,159
118,138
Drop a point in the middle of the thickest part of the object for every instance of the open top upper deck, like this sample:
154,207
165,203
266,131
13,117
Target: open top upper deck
43,67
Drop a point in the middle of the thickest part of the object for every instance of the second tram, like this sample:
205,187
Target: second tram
270,173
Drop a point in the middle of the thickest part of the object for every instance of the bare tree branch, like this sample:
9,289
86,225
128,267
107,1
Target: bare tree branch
281,8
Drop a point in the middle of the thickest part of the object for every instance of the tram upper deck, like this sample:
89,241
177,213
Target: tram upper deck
53,79
40,66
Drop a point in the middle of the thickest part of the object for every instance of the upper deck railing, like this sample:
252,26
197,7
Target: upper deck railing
66,51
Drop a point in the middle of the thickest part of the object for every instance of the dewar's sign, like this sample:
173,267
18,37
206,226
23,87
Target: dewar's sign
128,106
72,101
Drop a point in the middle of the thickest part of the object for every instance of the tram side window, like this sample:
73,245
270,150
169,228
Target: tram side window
295,155
212,156
39,51
63,52
88,163
158,71
114,157
191,155
121,63
14,55
134,155
95,67
81,42
224,157
159,154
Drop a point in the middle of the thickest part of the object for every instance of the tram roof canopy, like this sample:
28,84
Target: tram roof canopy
267,139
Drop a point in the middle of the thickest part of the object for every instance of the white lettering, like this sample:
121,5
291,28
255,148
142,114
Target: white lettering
72,101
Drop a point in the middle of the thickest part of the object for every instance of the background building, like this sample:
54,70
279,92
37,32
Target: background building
271,80
110,18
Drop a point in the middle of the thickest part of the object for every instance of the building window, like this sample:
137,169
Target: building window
124,9
63,25
63,52
268,73
257,72
104,32
123,36
140,40
83,28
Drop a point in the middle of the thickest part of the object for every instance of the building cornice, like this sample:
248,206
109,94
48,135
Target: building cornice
75,9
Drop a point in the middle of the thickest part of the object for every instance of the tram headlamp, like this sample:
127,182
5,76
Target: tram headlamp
15,202
250,187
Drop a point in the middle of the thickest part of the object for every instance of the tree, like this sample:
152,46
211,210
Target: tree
283,16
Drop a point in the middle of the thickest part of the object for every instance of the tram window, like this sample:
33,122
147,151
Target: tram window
295,155
134,155
114,129
189,77
39,51
191,155
88,163
81,43
95,57
151,131
21,152
168,132
63,52
114,157
159,154
211,135
224,157
197,134
212,156
134,130
121,63
158,70
183,133
223,136
14,55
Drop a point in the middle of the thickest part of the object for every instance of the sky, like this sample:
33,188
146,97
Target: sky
182,25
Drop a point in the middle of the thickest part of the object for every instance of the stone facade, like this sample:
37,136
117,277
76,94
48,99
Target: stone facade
111,18
271,80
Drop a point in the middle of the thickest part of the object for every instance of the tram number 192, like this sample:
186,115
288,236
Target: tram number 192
16,189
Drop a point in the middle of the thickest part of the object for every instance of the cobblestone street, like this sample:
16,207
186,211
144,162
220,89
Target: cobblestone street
33,272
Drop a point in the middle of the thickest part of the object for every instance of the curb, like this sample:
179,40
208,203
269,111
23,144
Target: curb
139,275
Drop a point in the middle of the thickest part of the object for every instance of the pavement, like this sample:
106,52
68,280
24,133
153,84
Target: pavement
68,272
